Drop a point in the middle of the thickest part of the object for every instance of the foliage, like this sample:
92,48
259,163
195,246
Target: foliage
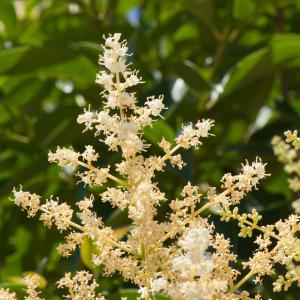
233,61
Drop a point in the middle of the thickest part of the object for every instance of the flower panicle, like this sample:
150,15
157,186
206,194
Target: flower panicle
181,256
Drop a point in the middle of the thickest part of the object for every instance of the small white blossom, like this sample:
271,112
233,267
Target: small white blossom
90,154
87,118
132,78
155,105
144,292
127,100
32,282
6,294
64,157
82,286
159,284
29,202
196,239
204,127
105,123
59,214
296,206
105,79
191,135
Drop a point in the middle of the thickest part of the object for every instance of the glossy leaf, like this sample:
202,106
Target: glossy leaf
189,72
243,8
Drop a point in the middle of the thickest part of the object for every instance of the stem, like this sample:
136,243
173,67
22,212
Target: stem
81,228
203,208
217,35
218,57
255,226
152,296
208,204
193,215
110,176
147,274
71,293
241,282
167,155
119,100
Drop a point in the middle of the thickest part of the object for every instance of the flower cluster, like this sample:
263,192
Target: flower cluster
239,185
190,136
82,286
195,268
6,294
32,283
288,153
182,257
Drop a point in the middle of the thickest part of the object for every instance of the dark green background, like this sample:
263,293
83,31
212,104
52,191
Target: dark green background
234,61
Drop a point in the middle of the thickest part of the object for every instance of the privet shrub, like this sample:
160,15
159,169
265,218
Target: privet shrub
182,257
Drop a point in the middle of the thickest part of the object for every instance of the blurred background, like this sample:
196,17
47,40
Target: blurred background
236,61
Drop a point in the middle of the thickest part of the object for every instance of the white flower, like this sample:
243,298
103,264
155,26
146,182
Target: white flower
28,201
190,136
81,286
105,123
112,41
127,99
5,294
204,127
194,261
114,54
65,157
87,118
133,79
127,129
296,206
90,154
155,105
105,79
158,284
59,214
259,168
144,292
255,171
195,239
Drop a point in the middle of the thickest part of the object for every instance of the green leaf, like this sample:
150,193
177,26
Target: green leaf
192,76
51,62
244,103
79,69
121,231
118,218
24,93
251,68
27,172
243,8
125,6
203,9
10,57
8,17
19,280
285,49
21,242
87,249
90,47
42,280
159,130
247,88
